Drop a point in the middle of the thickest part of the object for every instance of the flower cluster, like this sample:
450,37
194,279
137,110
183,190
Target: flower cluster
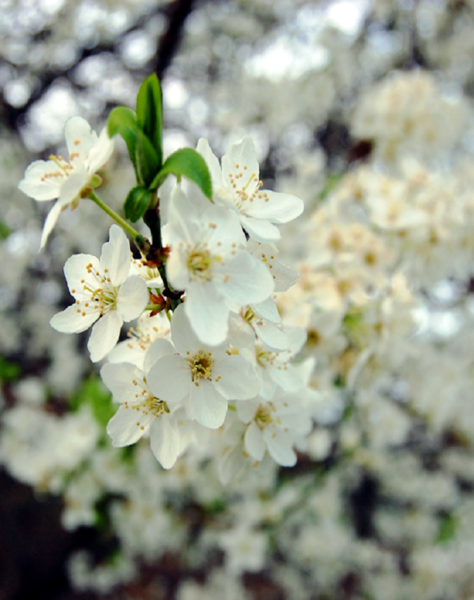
210,335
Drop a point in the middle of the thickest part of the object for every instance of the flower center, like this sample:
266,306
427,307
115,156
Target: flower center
244,193
314,337
263,416
199,264
201,365
156,406
64,168
248,315
148,273
144,402
265,358
103,297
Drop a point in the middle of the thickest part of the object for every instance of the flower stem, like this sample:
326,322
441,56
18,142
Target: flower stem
158,307
153,220
117,218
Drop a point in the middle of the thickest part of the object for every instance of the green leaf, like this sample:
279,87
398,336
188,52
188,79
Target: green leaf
215,506
138,200
150,113
188,163
9,371
4,230
123,121
146,161
93,392
447,528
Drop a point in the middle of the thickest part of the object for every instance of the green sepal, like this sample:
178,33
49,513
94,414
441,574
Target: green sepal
137,202
188,163
123,121
95,181
150,113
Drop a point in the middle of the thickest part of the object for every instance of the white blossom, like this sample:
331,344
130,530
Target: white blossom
141,411
275,426
237,186
209,261
200,377
58,178
276,368
104,293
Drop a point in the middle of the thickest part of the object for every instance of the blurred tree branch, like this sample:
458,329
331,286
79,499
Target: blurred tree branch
176,14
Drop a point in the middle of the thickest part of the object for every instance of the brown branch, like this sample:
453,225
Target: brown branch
177,13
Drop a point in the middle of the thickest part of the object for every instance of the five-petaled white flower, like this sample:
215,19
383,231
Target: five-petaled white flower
209,261
201,378
275,425
276,369
237,186
58,178
140,411
103,290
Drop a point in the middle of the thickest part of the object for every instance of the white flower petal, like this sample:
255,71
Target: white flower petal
287,378
49,224
42,180
241,334
246,410
182,335
80,138
222,230
169,379
76,271
269,386
237,378
104,336
115,256
207,312
165,440
157,350
183,218
248,280
72,186
119,377
208,406
253,442
297,338
284,276
267,310
100,153
260,230
230,464
279,446
132,298
72,321
123,428
125,352
177,268
280,208
274,338
212,162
